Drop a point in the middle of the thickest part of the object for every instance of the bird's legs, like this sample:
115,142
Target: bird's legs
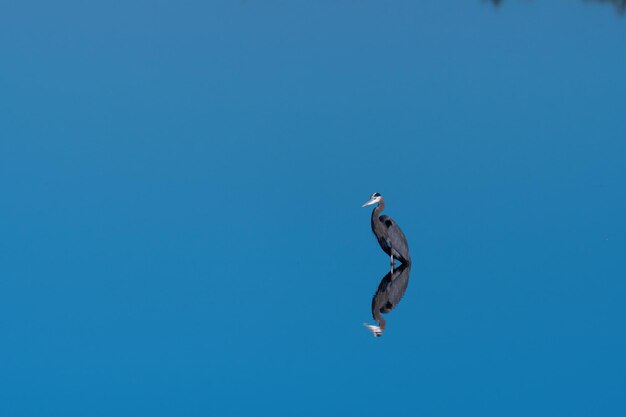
392,262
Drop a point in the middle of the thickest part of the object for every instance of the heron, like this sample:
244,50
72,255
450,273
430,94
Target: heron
389,236
389,293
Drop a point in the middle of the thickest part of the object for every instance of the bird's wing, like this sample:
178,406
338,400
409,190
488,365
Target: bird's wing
391,289
394,235
397,287
386,220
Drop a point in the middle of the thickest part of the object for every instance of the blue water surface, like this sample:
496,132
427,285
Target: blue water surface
181,230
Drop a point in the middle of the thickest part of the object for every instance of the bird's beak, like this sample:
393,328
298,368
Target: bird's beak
369,202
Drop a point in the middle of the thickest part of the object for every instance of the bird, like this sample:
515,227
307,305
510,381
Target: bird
388,233
389,293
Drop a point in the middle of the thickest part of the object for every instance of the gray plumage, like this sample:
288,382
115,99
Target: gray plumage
389,293
387,232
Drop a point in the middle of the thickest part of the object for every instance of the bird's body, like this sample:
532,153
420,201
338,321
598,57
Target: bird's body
394,244
389,235
389,293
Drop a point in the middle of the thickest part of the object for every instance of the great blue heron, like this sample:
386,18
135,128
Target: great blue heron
388,295
387,232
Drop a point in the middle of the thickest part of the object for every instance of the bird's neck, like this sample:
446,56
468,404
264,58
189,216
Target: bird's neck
381,321
378,209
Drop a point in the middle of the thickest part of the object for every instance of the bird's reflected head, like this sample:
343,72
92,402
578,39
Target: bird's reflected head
374,198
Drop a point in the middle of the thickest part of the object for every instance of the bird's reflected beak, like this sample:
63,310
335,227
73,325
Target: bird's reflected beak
377,331
369,202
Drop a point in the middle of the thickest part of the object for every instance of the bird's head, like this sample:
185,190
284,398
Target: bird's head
377,331
374,198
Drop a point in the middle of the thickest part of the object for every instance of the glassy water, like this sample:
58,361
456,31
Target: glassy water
181,222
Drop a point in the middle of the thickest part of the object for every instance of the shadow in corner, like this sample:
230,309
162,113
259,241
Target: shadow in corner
389,293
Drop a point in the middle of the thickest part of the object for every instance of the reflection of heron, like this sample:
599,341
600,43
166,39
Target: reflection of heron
389,293
387,232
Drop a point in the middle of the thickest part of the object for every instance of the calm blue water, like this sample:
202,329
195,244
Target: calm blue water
181,230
